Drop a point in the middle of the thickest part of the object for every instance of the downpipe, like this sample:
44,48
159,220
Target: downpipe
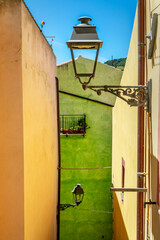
140,135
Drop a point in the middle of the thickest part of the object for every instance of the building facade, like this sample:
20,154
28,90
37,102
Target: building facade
126,224
86,157
29,135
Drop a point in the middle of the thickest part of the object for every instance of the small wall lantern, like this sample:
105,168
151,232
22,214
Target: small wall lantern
78,195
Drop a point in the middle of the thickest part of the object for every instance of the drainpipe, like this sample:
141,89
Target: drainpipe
140,140
59,162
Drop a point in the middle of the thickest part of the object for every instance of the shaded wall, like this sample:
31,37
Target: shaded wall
119,229
153,72
11,120
93,218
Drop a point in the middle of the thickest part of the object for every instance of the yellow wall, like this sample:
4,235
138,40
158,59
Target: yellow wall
153,67
11,133
125,141
28,136
125,146
40,132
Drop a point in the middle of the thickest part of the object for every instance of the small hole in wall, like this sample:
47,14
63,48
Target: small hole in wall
102,236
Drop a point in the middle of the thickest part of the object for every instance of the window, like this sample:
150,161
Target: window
123,172
158,183
123,178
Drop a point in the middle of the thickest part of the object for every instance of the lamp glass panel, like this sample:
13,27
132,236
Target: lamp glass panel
85,60
83,47
78,198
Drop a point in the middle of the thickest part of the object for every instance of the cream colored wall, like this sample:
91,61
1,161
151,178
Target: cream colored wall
11,133
125,141
153,70
40,132
153,67
125,146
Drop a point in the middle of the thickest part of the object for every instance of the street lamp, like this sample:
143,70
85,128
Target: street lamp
78,195
85,37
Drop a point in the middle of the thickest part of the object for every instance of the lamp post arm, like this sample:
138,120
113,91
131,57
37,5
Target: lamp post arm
95,64
73,61
65,206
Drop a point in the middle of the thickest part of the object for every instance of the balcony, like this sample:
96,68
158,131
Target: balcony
73,125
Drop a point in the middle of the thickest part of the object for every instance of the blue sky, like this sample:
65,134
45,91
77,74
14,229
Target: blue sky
113,19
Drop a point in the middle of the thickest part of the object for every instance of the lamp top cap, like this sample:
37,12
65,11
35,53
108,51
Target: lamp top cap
84,20
78,189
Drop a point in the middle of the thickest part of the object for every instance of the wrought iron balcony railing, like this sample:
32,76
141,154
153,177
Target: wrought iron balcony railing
73,124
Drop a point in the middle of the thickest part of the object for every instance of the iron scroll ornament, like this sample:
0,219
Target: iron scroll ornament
65,206
132,95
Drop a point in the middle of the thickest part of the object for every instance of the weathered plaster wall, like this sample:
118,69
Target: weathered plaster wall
40,132
93,218
11,121
125,146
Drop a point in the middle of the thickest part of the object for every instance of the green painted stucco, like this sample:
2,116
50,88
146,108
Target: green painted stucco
91,151
91,220
105,75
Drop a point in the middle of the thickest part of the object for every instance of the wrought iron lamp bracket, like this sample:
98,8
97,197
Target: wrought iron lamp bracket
132,95
65,206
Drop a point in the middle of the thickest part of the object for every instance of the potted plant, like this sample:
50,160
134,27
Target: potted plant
64,131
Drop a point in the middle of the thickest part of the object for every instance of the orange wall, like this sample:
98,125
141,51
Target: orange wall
28,136
11,133
40,132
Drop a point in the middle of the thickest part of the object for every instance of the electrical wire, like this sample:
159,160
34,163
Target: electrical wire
149,145
148,137
98,211
155,8
85,168
149,169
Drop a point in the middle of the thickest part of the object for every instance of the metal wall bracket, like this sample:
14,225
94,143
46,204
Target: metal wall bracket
149,203
141,174
65,206
112,189
132,95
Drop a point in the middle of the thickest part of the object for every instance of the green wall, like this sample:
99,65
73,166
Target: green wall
105,75
91,220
